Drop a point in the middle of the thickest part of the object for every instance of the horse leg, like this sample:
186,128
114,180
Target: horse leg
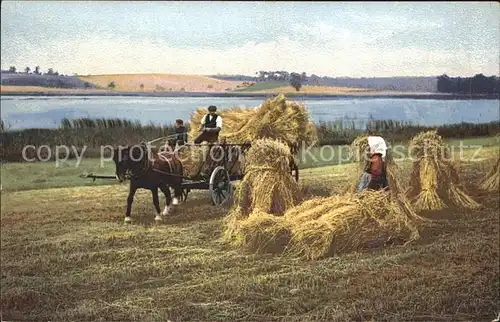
156,202
178,194
168,199
130,200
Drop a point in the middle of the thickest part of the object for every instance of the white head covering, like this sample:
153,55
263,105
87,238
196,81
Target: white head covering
377,145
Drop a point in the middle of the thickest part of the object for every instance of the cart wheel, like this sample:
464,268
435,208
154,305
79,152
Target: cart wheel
220,187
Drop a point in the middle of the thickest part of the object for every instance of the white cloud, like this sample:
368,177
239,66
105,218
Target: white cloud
341,53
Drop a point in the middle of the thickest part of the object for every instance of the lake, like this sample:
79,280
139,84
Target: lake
46,112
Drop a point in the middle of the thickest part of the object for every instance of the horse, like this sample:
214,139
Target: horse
151,170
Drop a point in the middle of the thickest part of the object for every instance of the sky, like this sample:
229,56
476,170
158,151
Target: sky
338,39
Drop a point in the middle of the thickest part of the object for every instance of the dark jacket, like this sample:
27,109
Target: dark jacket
181,137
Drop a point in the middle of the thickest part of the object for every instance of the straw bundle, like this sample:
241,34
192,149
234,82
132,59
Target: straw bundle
359,153
348,223
203,159
268,184
266,192
234,119
491,182
314,208
435,182
276,118
428,198
326,226
192,159
260,232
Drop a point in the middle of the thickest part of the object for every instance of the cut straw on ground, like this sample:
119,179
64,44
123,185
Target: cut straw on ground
267,217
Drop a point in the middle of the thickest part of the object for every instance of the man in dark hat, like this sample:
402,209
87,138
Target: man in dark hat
211,124
180,130
179,138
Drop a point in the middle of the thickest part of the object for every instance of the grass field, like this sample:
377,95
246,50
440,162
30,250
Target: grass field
312,89
66,255
286,88
262,86
181,83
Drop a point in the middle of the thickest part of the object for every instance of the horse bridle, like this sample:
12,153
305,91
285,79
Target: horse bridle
143,167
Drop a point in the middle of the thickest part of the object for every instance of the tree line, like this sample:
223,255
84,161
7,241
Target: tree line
36,71
295,79
479,84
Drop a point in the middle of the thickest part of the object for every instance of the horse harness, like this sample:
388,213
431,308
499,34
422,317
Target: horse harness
146,165
164,158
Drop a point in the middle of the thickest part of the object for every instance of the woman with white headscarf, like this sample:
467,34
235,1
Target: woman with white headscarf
374,175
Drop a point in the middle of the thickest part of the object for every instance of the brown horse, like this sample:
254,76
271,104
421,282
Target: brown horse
148,169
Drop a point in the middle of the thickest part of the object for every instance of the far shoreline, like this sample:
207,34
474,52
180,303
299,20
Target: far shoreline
315,96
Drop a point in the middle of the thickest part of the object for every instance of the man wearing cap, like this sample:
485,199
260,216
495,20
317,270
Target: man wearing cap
211,124
180,131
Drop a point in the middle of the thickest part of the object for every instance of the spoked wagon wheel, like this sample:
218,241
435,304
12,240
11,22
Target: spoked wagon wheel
221,188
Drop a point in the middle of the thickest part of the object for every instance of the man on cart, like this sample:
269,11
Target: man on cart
181,133
211,125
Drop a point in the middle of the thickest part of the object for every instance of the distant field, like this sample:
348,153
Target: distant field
166,83
312,89
262,86
285,87
161,82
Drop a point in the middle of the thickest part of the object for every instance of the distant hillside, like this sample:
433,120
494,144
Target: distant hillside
400,84
217,83
162,83
23,79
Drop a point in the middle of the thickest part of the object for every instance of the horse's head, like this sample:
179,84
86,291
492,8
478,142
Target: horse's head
121,157
128,158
